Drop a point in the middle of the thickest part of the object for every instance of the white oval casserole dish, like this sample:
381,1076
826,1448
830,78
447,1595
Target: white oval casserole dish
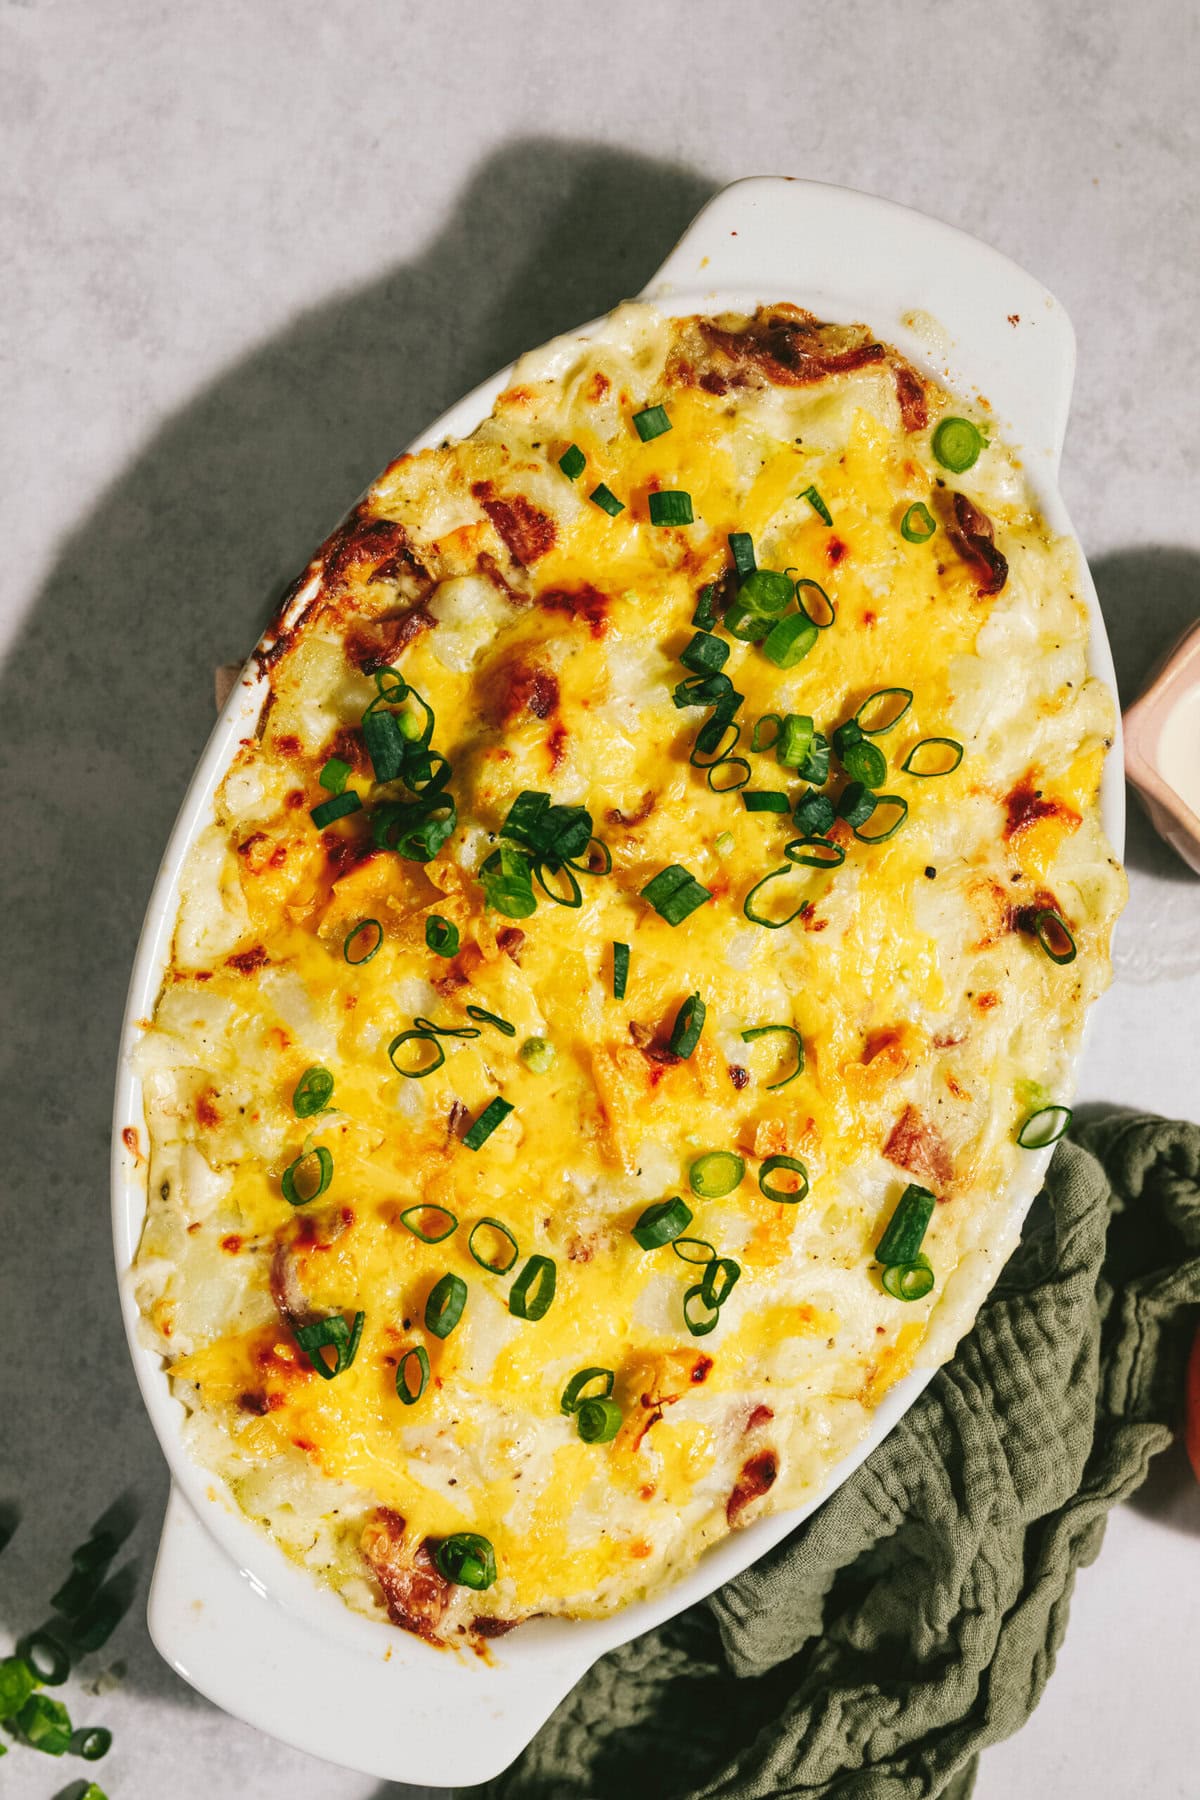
227,1610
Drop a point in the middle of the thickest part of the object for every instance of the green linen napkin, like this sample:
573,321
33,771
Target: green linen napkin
914,1619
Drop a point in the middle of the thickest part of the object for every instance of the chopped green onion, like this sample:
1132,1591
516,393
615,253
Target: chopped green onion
93,1742
790,1166
814,813
45,1725
689,1023
598,1421
495,1265
572,462
699,1315
574,893
1054,935
766,800
507,878
818,505
906,1228
918,524
686,1249
573,1393
881,832
864,762
651,422
766,592
387,744
416,1036
846,735
760,918
444,1307
620,979
538,1054
91,1792
606,500
406,1392
856,805
790,641
1044,1127
94,1627
741,548
719,773
467,1559
362,941
333,1334
17,1682
716,1174
710,689
415,829
950,746
815,766
48,1659
758,1031
429,1234
720,1277
888,716
710,746
723,842
908,1281
554,834
705,653
820,603
815,852
957,443
758,737
745,624
441,935
335,775
796,739
339,807
671,506
313,1092
662,1222
674,893
311,1167
704,617
532,1292
481,1015
493,1114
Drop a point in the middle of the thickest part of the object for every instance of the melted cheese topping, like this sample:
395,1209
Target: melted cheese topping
545,635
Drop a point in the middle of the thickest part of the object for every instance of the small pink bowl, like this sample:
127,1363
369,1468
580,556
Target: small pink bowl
1162,733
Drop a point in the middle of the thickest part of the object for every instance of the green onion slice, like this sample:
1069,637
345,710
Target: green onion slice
939,755
689,1023
881,711
362,941
716,1174
814,813
441,935
339,807
905,1231
46,1656
796,738
728,775
307,1178
815,603
333,1334
661,1223
598,1421
651,422
815,852
751,908
815,766
572,462
335,775
766,592
705,654
674,893
45,1725
746,624
606,500
856,804
17,1682
699,1315
467,1559
493,1114
431,1028
92,1792
918,524
759,739
894,810
620,979
788,1165
531,1294
538,1055
741,548
1044,1127
407,1391
313,1091
484,1017
818,505
766,800
572,897
790,641
499,1264
574,1395
444,1307
789,1031
693,1249
507,879
957,443
864,762
704,617
1054,935
908,1281
93,1742
720,1278
416,1037
710,746
671,506
416,1220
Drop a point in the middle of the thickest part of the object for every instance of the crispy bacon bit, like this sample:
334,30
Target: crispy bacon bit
739,1076
295,799
527,533
343,853
556,744
835,550
288,744
232,1243
615,816
712,383
378,644
490,569
916,1145
519,686
790,348
985,1002
598,386
206,1109
363,542
511,940
456,1120
756,1477
910,392
414,1589
584,602
1026,805
347,744
701,1369
247,961
258,1404
762,1415
972,534
493,1628
1021,917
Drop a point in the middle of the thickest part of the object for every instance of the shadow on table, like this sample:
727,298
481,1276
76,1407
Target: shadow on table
107,700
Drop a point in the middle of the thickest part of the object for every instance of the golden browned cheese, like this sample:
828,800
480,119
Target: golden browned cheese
543,633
